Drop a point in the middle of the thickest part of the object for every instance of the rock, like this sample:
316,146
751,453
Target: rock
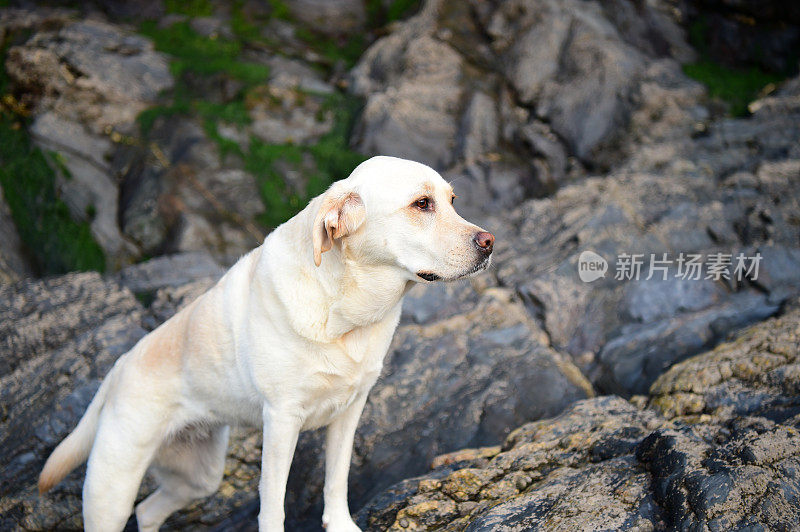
744,480
512,99
60,338
286,73
171,298
330,17
289,116
723,459
564,472
780,272
85,82
13,264
481,128
669,106
671,196
426,304
412,82
633,360
187,198
169,271
569,61
651,28
756,375
211,27
88,71
85,180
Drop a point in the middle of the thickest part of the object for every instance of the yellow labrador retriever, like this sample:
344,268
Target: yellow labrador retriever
288,338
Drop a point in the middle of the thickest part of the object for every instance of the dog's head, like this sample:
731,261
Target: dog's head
399,212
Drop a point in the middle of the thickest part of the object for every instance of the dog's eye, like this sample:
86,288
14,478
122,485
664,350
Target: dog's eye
423,204
453,199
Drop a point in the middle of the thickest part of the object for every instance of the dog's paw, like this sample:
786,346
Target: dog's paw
342,524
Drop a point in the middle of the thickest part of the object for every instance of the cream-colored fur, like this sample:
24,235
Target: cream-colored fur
292,338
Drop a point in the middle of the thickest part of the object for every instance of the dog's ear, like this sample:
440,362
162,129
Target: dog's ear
339,216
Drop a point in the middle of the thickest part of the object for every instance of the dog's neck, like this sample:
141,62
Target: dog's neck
366,295
334,298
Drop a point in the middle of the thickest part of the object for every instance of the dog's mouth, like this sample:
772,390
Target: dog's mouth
480,266
428,276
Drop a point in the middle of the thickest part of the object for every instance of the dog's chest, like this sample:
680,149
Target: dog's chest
338,377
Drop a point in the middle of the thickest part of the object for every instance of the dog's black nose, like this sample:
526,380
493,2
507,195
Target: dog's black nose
484,241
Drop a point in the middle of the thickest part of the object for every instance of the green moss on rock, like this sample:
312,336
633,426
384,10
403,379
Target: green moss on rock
55,241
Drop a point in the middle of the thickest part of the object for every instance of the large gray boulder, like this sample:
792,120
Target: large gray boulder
718,452
413,88
570,63
512,98
731,191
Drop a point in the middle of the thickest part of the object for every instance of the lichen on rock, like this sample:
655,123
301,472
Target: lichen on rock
727,465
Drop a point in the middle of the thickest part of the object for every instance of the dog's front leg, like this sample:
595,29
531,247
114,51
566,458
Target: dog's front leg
338,450
280,438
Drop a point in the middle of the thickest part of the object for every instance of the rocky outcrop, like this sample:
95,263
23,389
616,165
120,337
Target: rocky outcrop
85,82
183,198
209,183
730,190
543,470
180,186
566,127
59,339
514,98
722,459
755,375
465,366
